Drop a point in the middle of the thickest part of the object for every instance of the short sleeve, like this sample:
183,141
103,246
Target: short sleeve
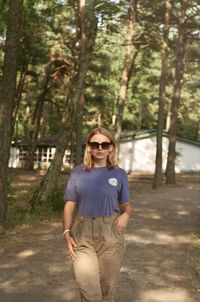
124,190
70,191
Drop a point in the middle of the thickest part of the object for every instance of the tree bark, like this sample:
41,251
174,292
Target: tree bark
88,29
49,182
36,122
179,71
198,133
158,176
7,96
19,90
52,70
75,107
126,73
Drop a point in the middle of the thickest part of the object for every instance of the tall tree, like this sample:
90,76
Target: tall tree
36,124
48,184
7,96
57,67
179,71
87,29
74,105
158,176
127,69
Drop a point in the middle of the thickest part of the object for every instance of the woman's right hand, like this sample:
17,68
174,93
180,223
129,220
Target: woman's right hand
70,243
68,215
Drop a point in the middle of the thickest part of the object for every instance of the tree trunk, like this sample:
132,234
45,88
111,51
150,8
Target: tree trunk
19,91
158,176
54,68
49,182
126,73
179,70
198,133
75,108
88,29
7,96
36,122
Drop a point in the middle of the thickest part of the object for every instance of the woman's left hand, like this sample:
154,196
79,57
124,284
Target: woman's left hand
122,222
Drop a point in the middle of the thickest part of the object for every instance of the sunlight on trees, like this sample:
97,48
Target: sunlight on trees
70,71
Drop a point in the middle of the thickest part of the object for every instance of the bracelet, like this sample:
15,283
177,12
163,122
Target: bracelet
65,231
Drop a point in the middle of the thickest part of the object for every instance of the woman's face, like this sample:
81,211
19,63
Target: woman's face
100,147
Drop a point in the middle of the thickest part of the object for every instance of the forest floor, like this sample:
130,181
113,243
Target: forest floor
161,259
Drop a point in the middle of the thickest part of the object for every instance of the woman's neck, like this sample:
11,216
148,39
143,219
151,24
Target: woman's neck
99,164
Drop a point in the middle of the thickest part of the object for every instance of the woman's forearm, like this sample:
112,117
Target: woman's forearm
68,214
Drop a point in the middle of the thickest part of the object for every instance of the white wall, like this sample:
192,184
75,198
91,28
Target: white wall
42,161
189,159
14,158
139,156
135,156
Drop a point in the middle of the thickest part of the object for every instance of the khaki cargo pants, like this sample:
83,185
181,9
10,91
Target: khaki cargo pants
99,254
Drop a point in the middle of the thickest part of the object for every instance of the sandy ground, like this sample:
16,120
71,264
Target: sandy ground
157,268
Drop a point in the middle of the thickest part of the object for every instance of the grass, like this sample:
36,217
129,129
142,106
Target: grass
195,254
21,185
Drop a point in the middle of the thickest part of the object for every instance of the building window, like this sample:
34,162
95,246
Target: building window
22,153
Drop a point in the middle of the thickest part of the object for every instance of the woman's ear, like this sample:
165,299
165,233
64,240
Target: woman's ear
110,148
88,149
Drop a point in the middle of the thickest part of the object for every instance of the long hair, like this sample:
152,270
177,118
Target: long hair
88,161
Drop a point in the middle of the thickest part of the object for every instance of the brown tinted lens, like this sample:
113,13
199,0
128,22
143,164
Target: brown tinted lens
94,145
105,145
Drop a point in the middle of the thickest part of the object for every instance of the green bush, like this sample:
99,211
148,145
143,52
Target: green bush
15,215
195,254
56,200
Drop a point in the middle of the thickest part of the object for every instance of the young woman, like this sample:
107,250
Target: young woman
97,191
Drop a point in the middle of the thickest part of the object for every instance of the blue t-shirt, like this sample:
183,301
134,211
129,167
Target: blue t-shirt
97,192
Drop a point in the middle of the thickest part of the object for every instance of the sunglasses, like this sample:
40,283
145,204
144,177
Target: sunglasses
95,145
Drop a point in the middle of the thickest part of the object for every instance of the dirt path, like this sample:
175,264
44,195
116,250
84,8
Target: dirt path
34,266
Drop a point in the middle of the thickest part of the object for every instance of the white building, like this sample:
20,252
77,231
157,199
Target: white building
137,153
43,155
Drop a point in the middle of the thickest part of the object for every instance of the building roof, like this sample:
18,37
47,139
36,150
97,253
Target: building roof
49,141
127,136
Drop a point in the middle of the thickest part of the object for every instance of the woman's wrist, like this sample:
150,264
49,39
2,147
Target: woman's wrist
126,214
66,231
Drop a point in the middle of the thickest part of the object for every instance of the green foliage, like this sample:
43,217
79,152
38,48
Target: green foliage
18,213
18,207
195,254
15,214
3,19
56,200
50,31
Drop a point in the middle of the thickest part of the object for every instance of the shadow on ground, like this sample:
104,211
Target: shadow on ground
34,266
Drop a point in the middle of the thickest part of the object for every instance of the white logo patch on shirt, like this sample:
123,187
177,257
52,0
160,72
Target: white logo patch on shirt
112,181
